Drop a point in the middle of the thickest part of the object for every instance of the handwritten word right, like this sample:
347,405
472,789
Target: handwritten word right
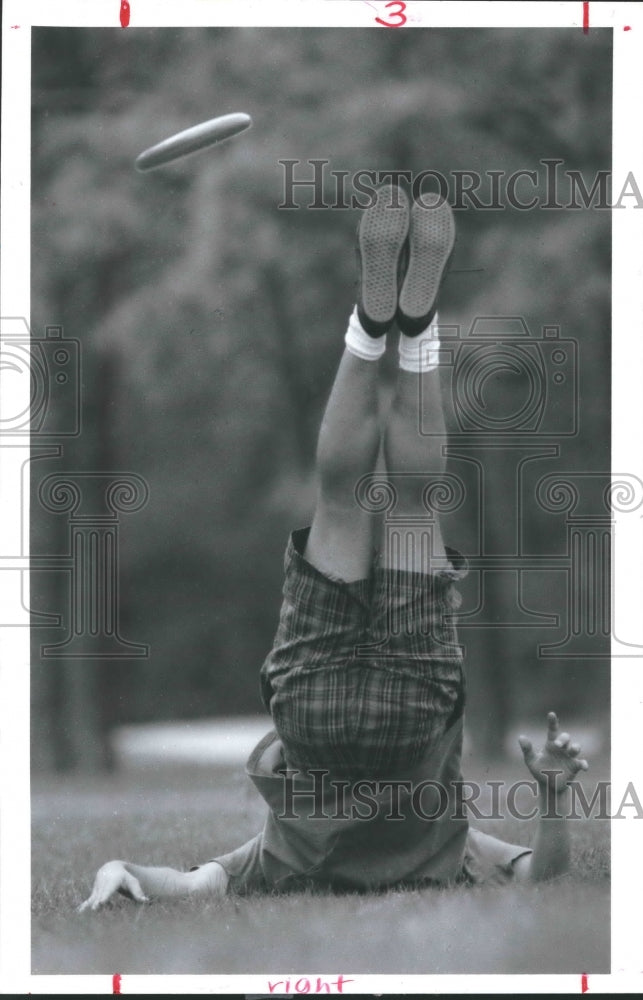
305,985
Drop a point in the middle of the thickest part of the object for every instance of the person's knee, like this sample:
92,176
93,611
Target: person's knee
418,413
342,462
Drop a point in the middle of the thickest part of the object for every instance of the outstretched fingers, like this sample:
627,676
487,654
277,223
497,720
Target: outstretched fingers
113,877
559,754
571,752
527,750
132,887
552,727
100,894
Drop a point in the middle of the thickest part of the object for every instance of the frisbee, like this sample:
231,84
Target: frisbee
191,140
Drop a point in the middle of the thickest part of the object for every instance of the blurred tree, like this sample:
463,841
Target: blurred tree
211,321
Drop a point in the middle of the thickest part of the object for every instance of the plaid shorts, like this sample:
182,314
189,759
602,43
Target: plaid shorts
363,678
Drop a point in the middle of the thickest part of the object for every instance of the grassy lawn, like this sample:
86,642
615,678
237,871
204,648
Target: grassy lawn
183,817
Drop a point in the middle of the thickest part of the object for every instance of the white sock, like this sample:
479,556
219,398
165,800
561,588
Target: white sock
360,343
421,353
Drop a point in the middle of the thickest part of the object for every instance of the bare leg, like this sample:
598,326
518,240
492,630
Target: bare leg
415,434
413,459
340,543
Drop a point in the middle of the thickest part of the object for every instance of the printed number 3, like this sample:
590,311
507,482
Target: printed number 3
398,13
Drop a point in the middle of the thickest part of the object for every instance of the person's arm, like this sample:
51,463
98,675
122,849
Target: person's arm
552,767
141,883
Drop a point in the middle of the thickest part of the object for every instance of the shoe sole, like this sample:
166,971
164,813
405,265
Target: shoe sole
431,242
381,237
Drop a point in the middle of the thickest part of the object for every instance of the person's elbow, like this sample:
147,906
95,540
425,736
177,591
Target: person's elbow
208,880
526,868
523,868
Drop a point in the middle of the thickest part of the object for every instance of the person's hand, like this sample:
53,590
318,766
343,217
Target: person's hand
558,754
111,878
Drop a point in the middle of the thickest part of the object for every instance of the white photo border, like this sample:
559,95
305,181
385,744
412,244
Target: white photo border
626,20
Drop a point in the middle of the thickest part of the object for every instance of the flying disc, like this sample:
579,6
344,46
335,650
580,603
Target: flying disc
192,139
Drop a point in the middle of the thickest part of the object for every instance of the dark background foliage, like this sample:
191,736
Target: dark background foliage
211,322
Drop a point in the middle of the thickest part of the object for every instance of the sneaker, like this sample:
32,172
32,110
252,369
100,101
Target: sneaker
431,242
381,236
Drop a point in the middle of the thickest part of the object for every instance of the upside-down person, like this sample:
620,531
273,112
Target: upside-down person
365,679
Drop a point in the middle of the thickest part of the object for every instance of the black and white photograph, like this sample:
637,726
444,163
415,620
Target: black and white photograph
321,498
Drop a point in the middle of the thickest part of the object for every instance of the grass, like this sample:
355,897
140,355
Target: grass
184,817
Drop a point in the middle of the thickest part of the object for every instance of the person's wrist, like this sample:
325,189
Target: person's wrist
553,790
